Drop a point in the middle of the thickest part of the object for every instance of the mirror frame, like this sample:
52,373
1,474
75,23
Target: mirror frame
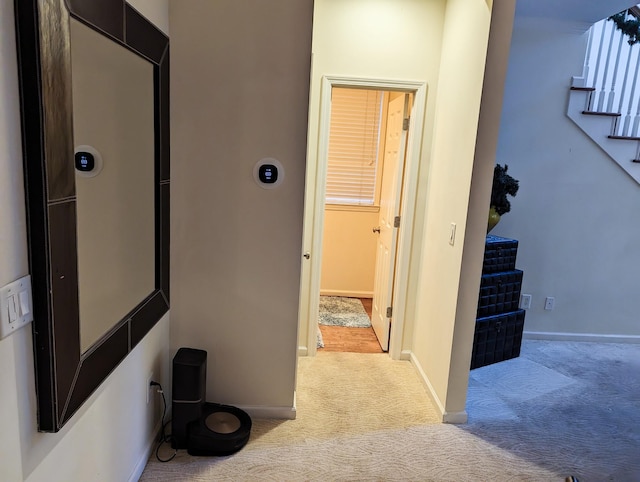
65,376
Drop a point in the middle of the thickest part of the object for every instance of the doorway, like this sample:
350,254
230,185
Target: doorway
394,256
363,185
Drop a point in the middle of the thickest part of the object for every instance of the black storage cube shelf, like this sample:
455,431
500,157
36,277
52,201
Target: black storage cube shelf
499,293
499,321
499,254
497,338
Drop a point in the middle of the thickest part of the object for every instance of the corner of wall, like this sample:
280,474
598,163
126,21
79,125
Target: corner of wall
499,40
431,391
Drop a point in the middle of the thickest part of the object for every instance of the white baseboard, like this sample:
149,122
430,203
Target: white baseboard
264,412
405,355
592,337
447,417
303,351
347,294
455,417
142,463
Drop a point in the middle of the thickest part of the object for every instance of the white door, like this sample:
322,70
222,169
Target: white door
390,194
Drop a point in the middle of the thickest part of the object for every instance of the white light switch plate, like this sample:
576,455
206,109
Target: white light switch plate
452,234
16,306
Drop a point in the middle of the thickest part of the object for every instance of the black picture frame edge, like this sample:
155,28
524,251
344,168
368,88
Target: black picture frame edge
65,377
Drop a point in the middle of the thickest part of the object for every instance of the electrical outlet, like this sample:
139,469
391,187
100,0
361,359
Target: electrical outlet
549,303
150,389
525,302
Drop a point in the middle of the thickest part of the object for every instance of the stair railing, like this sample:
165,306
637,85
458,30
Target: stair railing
611,73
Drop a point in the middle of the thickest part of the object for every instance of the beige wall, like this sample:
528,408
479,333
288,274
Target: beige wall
13,250
575,213
348,252
481,182
380,41
119,405
443,331
239,93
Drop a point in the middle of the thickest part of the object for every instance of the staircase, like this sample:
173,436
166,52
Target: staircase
605,101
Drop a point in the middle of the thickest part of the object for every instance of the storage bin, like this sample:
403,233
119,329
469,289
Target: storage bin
499,254
499,293
497,338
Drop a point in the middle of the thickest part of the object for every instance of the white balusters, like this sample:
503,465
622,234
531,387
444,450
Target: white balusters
623,91
601,43
612,69
603,94
632,99
614,77
636,122
586,67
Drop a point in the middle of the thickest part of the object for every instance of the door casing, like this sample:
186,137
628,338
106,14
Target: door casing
314,218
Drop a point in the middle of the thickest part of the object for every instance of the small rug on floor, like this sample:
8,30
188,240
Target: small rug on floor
341,311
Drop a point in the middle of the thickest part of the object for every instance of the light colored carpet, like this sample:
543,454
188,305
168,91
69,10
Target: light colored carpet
366,417
341,311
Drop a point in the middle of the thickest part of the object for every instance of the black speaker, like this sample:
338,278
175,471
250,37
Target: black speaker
189,392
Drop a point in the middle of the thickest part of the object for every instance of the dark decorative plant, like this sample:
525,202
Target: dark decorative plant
503,185
628,23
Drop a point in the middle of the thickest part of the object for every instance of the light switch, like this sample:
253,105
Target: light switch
13,313
25,305
452,234
16,309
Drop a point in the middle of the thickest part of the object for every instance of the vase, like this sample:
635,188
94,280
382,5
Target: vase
494,217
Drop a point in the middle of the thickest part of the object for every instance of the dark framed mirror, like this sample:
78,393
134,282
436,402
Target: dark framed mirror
92,303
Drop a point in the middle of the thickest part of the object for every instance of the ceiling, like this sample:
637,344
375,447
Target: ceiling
589,11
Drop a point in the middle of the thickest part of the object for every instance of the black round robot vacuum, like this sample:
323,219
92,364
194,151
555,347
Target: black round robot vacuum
220,430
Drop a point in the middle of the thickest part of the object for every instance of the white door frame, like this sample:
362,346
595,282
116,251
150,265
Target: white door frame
314,220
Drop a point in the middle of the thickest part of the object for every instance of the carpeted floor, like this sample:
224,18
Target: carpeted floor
560,409
571,407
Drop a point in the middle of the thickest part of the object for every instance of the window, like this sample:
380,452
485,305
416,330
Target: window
354,139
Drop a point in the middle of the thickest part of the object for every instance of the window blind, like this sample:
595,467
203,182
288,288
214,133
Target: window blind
354,138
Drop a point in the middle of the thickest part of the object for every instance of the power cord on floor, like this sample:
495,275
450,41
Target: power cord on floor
163,437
